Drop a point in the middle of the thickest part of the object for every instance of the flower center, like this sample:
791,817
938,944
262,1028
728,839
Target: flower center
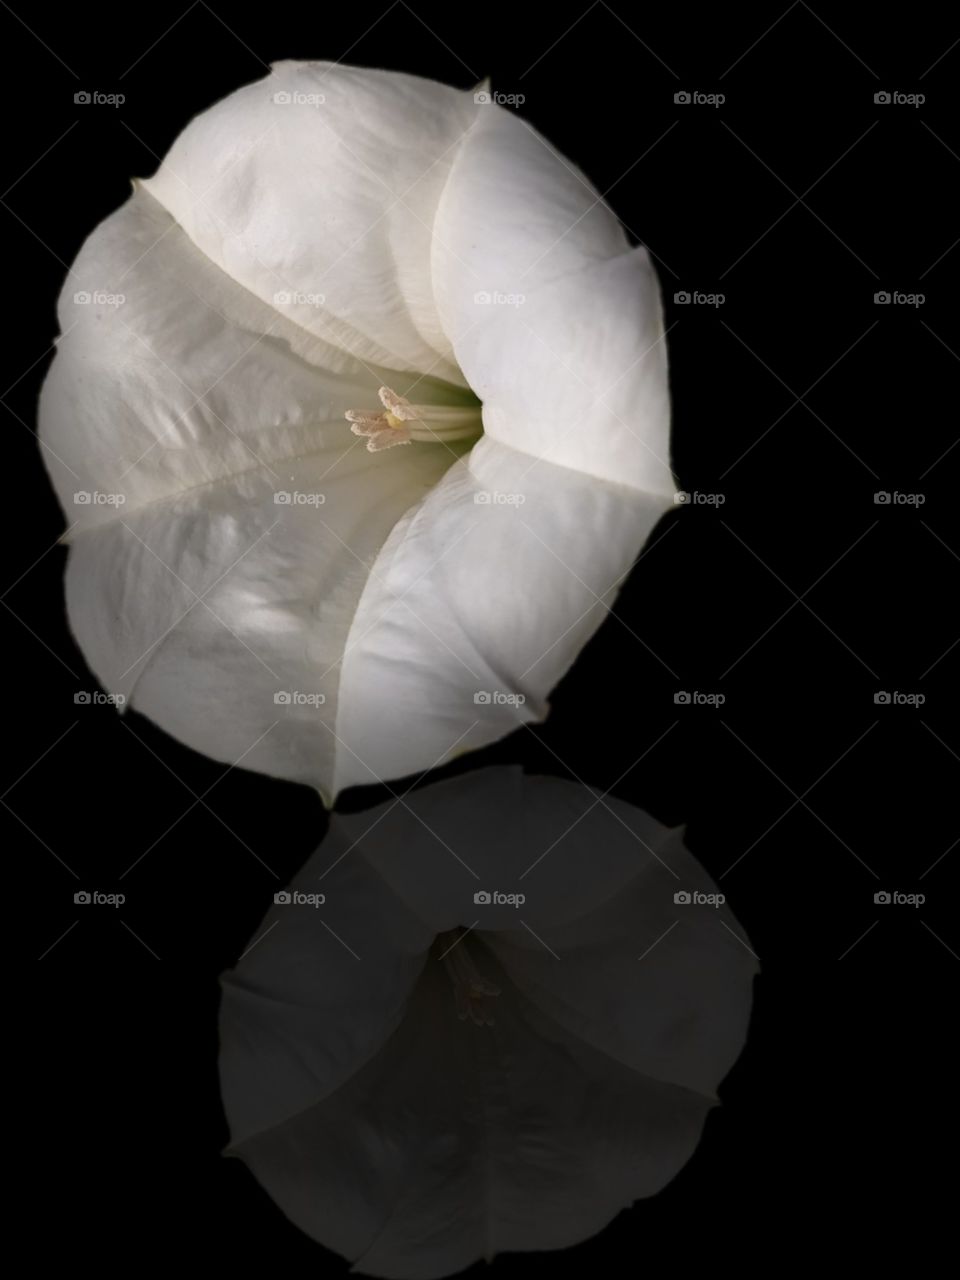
400,422
474,994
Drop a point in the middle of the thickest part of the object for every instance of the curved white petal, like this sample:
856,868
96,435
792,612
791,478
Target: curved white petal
170,377
231,517
322,181
555,322
477,604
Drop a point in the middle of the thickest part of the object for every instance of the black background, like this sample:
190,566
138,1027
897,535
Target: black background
799,599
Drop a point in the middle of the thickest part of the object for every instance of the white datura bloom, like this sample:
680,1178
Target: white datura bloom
328,263
496,1031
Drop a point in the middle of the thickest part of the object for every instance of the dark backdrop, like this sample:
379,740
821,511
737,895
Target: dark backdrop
800,598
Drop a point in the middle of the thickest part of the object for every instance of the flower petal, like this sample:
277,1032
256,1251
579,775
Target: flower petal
688,967
230,517
321,182
554,320
566,848
477,605
318,991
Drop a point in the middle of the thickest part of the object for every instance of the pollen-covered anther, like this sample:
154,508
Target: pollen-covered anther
400,422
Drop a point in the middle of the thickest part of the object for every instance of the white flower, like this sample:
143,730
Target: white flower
596,1019
321,246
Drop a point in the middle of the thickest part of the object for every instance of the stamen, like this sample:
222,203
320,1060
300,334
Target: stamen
402,422
473,993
